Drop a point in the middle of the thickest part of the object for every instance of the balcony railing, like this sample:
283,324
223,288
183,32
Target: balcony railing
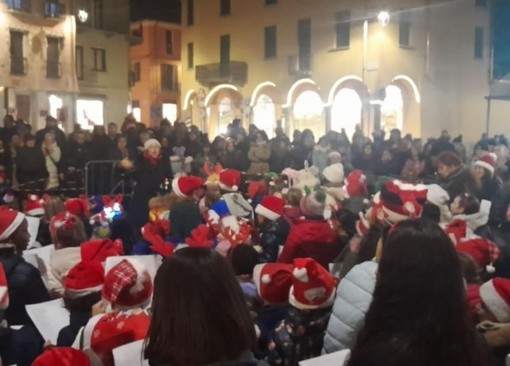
53,69
234,72
18,66
19,5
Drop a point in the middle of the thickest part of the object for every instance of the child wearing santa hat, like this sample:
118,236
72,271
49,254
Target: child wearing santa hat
24,280
495,316
486,183
185,215
67,232
273,282
300,335
273,227
82,290
119,318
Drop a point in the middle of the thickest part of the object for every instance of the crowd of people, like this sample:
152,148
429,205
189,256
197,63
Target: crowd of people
255,251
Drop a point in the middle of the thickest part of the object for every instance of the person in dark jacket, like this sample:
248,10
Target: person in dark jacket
31,170
365,160
193,145
150,174
23,280
453,176
51,126
303,150
273,226
77,155
233,157
486,183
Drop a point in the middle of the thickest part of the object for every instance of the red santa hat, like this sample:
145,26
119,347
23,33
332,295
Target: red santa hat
313,287
128,285
273,281
271,207
83,279
495,294
62,356
355,184
257,189
99,250
77,206
104,333
186,186
483,251
488,162
401,201
334,173
230,180
9,221
4,292
34,205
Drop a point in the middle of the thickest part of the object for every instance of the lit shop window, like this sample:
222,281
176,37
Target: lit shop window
264,115
346,111
90,113
392,109
308,113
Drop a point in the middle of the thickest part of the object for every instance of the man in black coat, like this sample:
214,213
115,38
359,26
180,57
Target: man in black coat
51,126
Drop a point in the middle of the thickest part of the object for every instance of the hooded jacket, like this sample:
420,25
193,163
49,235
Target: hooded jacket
311,239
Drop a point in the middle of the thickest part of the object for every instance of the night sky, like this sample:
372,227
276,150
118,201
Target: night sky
164,10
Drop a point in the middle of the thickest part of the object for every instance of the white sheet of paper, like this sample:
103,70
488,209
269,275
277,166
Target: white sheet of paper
40,259
130,354
33,228
151,262
332,359
49,318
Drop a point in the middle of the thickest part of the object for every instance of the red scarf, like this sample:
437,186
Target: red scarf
151,159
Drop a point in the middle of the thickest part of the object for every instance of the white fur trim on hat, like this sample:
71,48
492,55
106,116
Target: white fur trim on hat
175,188
227,188
267,213
485,165
35,211
328,302
256,275
151,142
494,302
13,226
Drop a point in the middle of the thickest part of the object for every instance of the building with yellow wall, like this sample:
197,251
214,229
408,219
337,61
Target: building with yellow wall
36,59
326,64
102,61
155,67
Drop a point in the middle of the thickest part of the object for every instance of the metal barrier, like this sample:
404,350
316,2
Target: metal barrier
103,177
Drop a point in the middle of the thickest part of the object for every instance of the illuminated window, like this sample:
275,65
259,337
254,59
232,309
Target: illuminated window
90,113
264,115
392,109
226,114
346,111
308,113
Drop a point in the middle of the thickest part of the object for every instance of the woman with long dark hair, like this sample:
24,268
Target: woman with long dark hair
199,315
419,314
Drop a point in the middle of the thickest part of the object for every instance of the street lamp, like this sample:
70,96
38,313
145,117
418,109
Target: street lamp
384,18
83,15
